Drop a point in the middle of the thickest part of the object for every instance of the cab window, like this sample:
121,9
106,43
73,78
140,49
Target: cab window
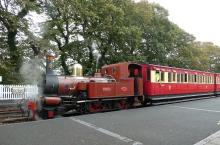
148,75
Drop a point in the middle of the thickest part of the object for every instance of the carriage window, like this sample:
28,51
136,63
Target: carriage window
162,77
169,77
157,76
178,77
195,78
174,77
182,77
201,79
186,78
148,75
190,78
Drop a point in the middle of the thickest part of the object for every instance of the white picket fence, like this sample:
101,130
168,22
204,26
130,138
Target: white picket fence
16,92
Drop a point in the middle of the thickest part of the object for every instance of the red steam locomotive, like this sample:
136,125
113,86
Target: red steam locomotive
120,86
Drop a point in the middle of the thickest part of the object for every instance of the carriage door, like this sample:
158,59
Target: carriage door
215,83
135,72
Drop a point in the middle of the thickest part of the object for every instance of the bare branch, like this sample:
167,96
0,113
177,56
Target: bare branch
6,3
58,43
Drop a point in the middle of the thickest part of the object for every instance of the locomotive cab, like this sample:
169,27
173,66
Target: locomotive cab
130,73
135,72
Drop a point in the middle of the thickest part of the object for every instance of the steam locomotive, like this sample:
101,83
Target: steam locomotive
120,86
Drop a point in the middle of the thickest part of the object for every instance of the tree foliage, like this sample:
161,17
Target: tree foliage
94,33
13,26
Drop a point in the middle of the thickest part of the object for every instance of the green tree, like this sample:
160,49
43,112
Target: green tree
13,26
162,40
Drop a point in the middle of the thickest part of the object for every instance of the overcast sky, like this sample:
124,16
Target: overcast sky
198,17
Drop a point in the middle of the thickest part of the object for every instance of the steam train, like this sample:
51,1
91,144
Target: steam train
120,86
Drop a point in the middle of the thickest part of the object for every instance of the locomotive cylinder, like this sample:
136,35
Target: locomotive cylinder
51,101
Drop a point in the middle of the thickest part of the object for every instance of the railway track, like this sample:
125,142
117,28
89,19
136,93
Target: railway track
12,114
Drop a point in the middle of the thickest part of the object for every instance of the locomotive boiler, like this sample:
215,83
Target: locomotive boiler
116,86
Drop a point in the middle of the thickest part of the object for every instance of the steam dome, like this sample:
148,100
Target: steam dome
77,70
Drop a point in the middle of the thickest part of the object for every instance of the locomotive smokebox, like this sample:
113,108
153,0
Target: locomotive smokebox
50,81
50,84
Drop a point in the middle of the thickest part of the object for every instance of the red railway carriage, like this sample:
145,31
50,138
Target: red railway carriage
162,82
217,83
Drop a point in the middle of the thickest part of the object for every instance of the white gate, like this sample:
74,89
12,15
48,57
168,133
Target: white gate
16,92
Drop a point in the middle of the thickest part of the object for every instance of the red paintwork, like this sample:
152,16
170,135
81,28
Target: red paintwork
117,80
217,84
70,83
159,89
117,71
123,86
111,90
52,101
50,114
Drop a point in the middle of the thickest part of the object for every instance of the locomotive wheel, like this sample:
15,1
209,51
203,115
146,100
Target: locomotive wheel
94,107
121,104
81,109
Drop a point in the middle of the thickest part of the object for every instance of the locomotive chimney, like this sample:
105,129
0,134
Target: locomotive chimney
49,62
